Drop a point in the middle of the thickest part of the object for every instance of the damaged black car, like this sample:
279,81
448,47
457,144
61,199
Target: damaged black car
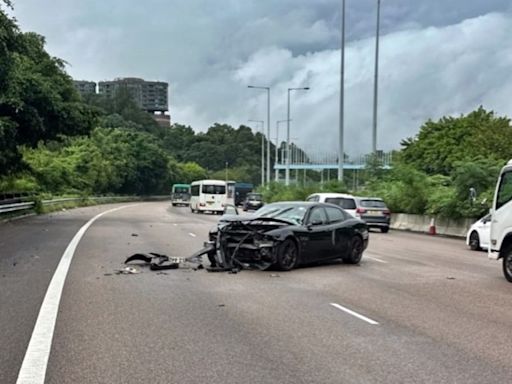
285,235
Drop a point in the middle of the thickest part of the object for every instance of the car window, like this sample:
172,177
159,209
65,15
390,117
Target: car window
373,204
505,190
317,215
314,198
214,189
343,202
335,215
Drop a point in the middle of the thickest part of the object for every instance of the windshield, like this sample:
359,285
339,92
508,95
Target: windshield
290,213
181,190
254,197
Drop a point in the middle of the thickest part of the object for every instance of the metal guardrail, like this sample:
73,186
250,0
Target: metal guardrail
13,207
4,208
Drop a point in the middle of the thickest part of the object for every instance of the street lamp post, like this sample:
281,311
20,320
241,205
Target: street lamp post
268,127
341,156
376,82
287,175
262,149
277,143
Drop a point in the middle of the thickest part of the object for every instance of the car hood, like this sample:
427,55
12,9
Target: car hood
254,218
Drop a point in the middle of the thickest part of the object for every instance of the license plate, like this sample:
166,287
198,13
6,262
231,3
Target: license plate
375,213
210,202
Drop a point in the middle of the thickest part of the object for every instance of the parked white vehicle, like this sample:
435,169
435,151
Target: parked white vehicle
501,223
208,195
345,201
479,234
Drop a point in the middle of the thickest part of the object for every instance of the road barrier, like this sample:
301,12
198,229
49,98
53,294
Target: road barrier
431,225
30,205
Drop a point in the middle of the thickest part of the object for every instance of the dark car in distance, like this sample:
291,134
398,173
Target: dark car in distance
287,234
253,201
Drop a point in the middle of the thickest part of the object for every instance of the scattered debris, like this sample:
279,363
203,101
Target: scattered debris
221,305
274,275
135,234
450,277
107,274
158,261
127,271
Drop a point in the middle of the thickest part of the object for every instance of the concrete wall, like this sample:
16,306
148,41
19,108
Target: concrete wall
420,223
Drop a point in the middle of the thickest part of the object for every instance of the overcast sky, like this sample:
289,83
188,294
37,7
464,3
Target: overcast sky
438,57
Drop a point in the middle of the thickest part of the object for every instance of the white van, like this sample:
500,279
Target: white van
208,195
501,221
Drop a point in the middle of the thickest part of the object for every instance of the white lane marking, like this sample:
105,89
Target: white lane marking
376,259
35,362
192,234
350,312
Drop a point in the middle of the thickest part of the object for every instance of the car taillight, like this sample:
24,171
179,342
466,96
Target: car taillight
202,204
386,212
360,210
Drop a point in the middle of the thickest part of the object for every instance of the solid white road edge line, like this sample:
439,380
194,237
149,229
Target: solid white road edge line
192,234
376,259
350,312
35,362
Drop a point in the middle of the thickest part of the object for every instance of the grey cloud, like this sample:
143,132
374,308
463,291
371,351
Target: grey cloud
437,57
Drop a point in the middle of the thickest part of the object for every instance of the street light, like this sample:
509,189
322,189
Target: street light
268,127
277,143
376,83
341,156
262,150
287,175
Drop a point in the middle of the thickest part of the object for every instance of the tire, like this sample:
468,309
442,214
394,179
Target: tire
287,255
474,241
173,204
356,251
384,229
507,264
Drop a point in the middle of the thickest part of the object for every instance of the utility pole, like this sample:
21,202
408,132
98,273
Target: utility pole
376,82
341,156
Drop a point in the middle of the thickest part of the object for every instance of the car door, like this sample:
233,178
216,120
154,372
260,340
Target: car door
340,231
484,230
319,235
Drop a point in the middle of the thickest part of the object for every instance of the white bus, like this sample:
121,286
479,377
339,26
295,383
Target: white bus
208,195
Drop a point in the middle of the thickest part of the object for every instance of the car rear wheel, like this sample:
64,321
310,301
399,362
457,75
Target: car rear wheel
356,251
384,229
287,255
474,241
507,264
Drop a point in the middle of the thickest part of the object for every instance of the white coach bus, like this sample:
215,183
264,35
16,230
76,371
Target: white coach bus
208,195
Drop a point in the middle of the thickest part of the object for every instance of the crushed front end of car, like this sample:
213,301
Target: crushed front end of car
241,243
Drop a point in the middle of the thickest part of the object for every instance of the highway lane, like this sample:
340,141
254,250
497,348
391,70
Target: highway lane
443,312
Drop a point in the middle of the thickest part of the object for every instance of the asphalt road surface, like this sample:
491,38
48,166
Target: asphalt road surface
418,309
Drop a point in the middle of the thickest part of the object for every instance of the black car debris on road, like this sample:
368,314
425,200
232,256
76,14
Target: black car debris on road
285,235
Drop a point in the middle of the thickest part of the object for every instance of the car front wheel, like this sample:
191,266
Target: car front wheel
384,229
287,255
474,241
355,252
507,264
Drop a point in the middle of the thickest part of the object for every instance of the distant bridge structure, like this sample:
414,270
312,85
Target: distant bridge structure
321,161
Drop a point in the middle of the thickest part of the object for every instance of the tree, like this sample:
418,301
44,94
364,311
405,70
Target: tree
440,145
37,98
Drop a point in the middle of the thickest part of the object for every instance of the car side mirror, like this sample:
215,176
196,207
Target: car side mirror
230,209
314,223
